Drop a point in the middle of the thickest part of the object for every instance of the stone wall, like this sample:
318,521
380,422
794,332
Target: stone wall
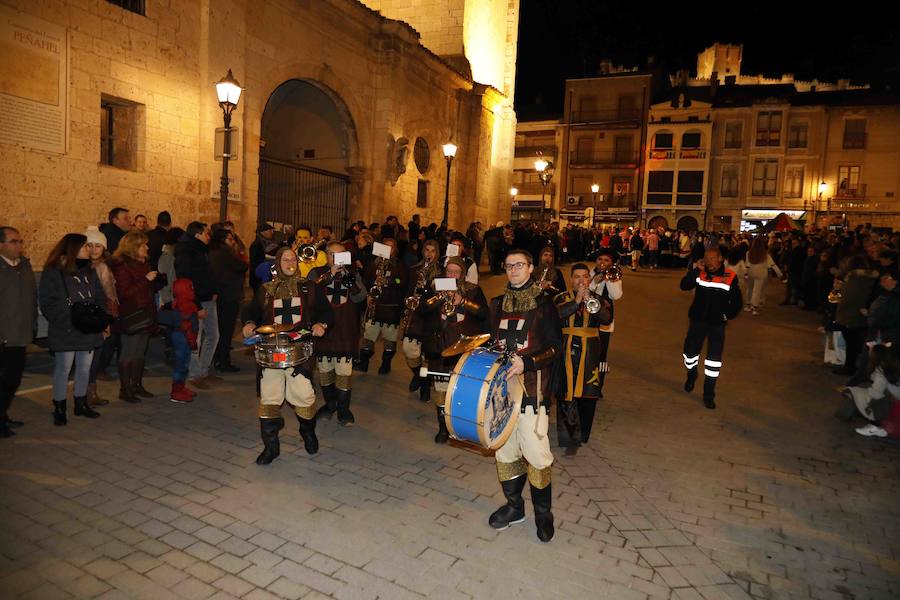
376,69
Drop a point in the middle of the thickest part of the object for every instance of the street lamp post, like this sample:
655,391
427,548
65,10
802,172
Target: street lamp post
823,187
449,153
228,91
544,170
595,187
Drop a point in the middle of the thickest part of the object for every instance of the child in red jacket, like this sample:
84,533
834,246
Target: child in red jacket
183,324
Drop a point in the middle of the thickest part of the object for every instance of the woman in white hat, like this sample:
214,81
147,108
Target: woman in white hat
96,244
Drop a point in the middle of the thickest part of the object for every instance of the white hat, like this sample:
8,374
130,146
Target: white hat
94,236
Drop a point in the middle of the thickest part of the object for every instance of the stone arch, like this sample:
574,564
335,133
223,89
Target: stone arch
688,223
658,221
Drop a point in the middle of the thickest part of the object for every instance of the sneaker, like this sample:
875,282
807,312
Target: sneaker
871,431
755,312
747,308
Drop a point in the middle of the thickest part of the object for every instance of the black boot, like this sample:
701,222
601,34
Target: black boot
543,518
137,379
268,431
586,409
709,392
425,390
364,355
308,433
83,410
514,510
416,382
691,380
386,357
126,389
59,412
345,417
327,410
442,435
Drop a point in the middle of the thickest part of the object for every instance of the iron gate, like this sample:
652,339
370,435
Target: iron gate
300,195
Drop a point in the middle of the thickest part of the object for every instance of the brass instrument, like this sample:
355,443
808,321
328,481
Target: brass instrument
836,295
447,308
308,252
412,302
544,279
378,287
348,277
592,303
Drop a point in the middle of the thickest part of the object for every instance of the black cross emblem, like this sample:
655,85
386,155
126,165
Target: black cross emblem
513,331
337,293
285,310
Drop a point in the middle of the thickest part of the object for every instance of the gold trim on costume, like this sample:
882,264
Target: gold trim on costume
342,382
521,300
269,411
305,412
326,378
539,478
507,471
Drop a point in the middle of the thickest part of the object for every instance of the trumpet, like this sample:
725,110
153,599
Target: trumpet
348,277
544,279
447,308
612,275
308,252
592,303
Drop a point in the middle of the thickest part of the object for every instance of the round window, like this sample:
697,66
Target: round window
421,155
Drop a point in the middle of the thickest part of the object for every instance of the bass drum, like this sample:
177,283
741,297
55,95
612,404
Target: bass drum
482,407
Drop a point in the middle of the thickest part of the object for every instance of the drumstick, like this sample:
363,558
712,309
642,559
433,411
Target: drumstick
537,409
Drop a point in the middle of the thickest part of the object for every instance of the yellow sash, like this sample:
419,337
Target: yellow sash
576,388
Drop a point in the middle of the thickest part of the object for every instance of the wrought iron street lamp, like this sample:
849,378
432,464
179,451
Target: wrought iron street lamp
595,187
823,188
544,170
228,91
449,153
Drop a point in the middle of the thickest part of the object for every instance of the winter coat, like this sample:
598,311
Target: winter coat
113,235
166,266
228,271
18,303
134,291
84,286
717,298
192,262
854,296
883,319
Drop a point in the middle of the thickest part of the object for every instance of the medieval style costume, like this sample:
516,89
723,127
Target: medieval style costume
335,352
445,328
527,322
384,312
289,299
418,293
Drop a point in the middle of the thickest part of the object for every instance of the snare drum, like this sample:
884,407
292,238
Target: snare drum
482,407
278,351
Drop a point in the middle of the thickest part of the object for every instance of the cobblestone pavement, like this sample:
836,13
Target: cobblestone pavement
766,497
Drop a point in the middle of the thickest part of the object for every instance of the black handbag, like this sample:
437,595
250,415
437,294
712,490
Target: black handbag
87,317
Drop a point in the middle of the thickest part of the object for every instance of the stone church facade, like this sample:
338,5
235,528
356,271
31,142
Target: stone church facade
435,70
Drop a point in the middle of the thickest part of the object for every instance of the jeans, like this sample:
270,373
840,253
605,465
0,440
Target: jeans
207,340
654,258
64,360
181,357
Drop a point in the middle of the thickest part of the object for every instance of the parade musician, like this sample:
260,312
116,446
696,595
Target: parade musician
527,322
383,314
444,328
288,299
420,280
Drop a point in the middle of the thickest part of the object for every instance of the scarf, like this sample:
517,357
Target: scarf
520,300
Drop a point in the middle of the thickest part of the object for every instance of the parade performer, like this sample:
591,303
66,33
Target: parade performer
717,299
289,299
314,260
447,317
386,280
346,292
549,278
413,321
587,315
526,322
459,240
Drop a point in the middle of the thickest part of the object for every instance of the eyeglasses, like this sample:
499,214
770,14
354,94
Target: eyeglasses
514,266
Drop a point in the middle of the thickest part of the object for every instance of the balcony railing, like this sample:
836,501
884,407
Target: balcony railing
857,192
535,188
692,153
526,151
661,154
860,205
603,158
613,203
617,117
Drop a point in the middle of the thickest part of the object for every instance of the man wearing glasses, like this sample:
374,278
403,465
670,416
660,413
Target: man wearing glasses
18,314
525,320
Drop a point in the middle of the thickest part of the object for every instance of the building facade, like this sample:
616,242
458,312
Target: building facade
133,95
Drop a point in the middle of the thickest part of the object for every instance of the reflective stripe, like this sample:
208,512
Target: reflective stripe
713,284
691,364
691,358
710,373
712,363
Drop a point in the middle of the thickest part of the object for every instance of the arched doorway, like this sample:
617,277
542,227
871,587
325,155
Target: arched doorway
658,221
688,224
307,147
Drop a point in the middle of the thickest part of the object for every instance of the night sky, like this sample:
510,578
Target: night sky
560,39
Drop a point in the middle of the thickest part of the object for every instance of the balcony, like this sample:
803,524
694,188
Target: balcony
604,158
692,153
612,118
858,192
535,188
534,151
614,203
661,154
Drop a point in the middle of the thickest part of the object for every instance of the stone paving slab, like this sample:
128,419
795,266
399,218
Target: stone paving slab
766,497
